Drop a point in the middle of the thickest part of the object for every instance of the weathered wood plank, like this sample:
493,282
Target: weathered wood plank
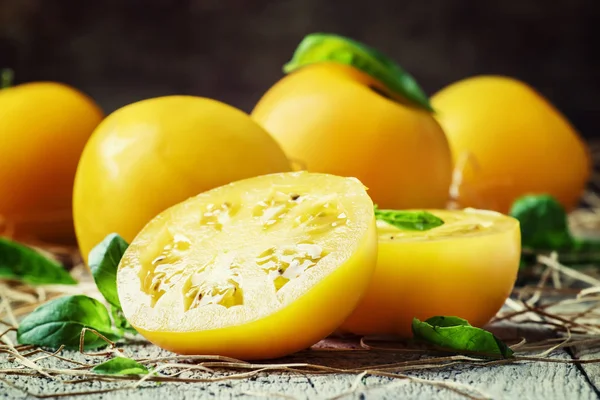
592,371
530,380
523,381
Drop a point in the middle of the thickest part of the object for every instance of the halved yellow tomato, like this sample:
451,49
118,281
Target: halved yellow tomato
256,269
465,268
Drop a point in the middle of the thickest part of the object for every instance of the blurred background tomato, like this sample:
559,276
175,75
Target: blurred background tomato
121,51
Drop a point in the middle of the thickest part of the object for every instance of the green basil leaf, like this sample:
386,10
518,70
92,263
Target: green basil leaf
120,366
60,322
326,47
103,261
447,321
119,320
457,334
543,222
409,220
27,265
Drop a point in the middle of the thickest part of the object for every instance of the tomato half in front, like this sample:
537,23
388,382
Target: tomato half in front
256,269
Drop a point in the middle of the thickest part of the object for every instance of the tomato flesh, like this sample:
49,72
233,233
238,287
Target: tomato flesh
256,269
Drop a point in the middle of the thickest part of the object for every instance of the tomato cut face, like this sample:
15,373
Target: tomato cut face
256,269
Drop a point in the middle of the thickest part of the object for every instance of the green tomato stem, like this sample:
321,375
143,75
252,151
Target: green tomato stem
325,47
6,78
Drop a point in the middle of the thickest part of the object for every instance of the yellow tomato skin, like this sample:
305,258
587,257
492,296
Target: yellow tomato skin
510,141
327,118
149,155
43,129
469,277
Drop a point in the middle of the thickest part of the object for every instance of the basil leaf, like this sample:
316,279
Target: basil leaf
543,222
60,322
457,334
120,366
103,261
326,47
409,220
544,227
447,321
119,320
27,265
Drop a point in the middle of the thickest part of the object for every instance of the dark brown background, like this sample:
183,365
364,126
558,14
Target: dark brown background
120,51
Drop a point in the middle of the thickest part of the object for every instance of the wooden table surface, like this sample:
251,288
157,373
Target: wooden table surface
461,377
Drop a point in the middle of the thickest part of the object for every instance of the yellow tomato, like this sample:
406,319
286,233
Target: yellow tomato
43,129
152,154
508,141
336,119
256,269
465,268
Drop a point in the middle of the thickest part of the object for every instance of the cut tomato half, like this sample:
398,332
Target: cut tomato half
256,269
466,268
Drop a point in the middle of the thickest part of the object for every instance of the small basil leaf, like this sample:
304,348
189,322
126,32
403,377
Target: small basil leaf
119,320
60,322
27,265
457,334
447,321
104,260
409,220
120,366
543,222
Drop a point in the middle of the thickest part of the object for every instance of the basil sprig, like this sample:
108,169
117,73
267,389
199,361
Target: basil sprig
61,321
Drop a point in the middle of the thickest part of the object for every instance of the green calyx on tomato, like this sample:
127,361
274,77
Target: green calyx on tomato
325,47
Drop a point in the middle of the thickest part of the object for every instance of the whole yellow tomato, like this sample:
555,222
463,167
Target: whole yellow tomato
43,129
466,268
147,156
508,141
256,269
342,118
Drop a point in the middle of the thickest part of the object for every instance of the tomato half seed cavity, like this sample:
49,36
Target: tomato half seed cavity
256,269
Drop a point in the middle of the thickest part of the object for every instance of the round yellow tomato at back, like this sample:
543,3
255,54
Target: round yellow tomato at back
508,141
150,155
257,269
333,118
43,129
465,268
